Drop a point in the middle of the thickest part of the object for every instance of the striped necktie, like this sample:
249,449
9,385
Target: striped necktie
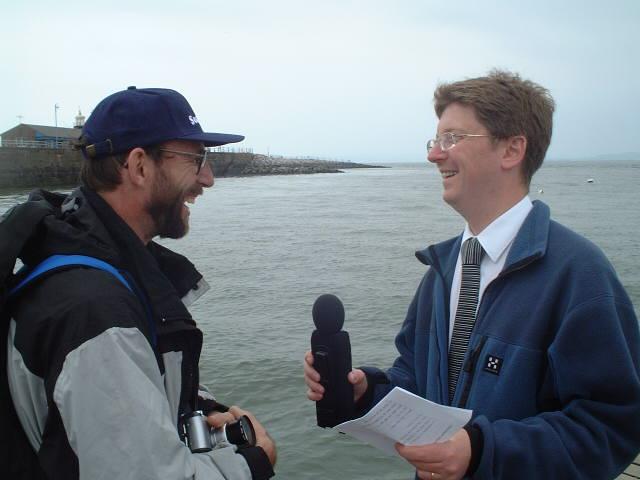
466,312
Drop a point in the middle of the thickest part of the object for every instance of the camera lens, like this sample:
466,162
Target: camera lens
241,432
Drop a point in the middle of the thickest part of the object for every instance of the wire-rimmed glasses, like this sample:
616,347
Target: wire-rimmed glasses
448,140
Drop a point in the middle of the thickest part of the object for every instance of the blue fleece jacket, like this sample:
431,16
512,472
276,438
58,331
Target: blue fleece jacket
552,370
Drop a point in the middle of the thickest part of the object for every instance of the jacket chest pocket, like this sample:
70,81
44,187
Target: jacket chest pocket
507,380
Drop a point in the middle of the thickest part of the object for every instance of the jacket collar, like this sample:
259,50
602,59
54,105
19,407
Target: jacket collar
532,239
83,223
530,243
165,276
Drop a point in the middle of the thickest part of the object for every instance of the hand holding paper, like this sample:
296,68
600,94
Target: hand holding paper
406,418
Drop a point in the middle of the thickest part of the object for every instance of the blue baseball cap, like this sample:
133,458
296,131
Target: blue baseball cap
140,117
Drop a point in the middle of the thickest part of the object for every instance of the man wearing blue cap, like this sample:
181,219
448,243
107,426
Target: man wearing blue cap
102,353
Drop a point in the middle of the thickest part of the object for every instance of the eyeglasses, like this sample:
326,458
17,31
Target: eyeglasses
448,140
198,158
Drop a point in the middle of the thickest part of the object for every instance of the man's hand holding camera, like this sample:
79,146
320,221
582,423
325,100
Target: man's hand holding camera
219,419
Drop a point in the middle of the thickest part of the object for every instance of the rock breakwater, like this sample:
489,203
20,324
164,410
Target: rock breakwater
32,167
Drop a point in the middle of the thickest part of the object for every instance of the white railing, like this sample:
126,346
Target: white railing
21,143
231,150
310,158
67,144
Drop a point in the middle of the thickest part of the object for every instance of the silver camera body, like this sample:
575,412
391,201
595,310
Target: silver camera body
200,437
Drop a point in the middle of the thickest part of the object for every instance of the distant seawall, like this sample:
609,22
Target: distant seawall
31,167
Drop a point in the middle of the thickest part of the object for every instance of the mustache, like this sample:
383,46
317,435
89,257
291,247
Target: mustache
195,192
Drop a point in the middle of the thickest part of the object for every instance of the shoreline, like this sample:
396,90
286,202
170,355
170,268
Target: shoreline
32,167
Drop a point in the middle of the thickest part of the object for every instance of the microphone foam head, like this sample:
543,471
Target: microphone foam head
328,313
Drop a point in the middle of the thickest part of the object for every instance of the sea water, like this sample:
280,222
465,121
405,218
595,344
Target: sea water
269,246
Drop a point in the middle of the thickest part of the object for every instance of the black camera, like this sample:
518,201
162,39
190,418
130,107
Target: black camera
200,437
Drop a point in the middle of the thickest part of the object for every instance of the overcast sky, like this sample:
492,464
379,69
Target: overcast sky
349,80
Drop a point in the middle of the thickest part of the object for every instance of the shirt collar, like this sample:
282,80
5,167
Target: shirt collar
499,234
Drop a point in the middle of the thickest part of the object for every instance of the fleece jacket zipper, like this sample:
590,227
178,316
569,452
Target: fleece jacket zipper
469,366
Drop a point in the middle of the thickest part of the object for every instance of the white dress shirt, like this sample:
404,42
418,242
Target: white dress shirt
496,240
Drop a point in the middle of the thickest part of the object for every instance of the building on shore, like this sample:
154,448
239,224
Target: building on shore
39,155
27,135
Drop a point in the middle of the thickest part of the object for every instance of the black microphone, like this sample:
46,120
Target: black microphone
332,359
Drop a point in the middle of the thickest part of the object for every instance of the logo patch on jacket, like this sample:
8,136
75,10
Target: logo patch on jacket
493,364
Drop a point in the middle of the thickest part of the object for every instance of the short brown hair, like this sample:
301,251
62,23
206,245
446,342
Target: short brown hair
103,174
507,106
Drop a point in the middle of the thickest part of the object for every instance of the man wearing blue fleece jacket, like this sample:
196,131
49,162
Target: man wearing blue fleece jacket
551,370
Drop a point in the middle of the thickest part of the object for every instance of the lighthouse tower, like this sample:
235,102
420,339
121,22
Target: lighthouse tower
79,120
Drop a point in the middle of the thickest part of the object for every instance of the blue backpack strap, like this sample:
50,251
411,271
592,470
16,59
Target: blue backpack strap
57,261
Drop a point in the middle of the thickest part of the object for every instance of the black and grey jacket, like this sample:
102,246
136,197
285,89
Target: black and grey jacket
99,376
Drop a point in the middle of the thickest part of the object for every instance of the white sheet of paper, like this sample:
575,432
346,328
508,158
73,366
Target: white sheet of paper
409,419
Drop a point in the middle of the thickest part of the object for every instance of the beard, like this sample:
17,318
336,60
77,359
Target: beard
166,207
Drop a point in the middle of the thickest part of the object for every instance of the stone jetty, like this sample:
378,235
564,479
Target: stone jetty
31,167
